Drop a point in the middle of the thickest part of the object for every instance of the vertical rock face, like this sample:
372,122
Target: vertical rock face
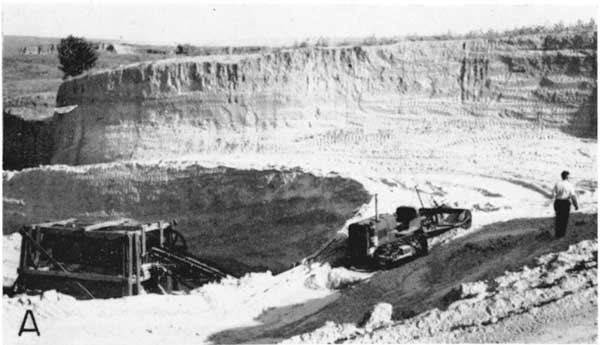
206,104
26,143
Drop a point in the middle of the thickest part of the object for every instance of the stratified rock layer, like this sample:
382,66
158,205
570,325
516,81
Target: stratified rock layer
231,103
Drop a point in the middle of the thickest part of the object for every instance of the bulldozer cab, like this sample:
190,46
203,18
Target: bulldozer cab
408,219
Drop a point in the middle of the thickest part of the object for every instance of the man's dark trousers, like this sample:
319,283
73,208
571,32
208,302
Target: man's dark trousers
562,209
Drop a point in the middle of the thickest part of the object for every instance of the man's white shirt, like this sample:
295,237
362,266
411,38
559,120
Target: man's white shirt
563,190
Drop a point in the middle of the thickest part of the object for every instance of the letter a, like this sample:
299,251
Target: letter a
35,327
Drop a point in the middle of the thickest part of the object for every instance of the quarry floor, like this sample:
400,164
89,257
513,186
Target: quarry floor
504,177
556,305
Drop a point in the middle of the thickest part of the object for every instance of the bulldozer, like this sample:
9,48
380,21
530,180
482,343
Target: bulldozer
388,240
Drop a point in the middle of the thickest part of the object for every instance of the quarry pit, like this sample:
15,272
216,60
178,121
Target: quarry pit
263,159
248,220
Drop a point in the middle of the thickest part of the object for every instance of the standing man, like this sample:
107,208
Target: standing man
563,194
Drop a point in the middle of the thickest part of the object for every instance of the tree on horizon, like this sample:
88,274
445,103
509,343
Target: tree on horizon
76,55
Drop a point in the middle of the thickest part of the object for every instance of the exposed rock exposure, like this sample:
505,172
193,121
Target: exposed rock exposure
230,103
244,219
27,144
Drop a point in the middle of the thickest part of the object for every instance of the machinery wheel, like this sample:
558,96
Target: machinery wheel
175,241
466,216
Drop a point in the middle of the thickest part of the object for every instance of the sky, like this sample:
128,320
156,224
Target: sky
252,23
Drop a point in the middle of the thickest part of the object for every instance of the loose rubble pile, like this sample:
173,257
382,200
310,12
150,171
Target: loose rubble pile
572,273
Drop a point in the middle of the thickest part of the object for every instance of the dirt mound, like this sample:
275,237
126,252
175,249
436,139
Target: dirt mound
245,219
567,279
432,282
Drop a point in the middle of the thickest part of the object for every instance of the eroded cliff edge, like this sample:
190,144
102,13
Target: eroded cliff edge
226,103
